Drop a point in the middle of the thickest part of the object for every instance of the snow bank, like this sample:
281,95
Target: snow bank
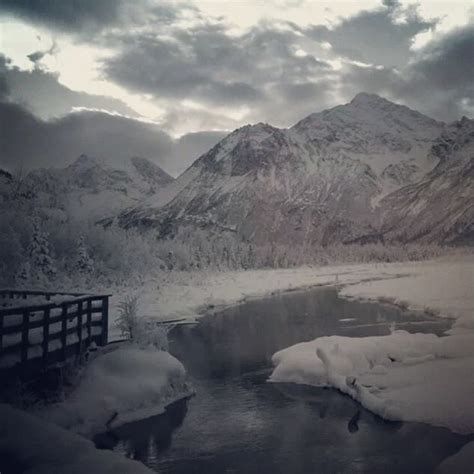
125,383
28,444
403,376
443,287
187,295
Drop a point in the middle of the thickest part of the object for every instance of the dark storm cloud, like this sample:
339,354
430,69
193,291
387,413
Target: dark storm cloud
88,17
375,36
32,142
448,63
41,93
438,80
35,142
207,64
4,89
65,14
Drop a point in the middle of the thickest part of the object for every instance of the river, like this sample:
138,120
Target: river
239,423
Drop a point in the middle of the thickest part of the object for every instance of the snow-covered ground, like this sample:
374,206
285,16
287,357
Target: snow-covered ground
123,383
401,376
188,295
445,288
35,446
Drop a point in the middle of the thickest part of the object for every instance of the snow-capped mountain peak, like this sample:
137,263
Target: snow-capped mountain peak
84,162
323,180
92,188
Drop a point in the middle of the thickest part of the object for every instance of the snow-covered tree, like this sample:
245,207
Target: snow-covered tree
39,253
84,262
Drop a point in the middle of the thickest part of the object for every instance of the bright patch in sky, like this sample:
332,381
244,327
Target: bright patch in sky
78,60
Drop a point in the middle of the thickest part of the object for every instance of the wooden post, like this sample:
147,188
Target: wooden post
89,321
1,332
46,315
105,321
79,327
24,336
64,332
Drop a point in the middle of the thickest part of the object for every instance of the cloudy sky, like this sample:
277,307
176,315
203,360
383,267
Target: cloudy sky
167,79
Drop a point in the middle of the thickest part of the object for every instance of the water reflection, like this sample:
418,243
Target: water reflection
237,422
332,404
144,440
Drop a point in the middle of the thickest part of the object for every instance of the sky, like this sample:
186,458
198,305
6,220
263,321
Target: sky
167,79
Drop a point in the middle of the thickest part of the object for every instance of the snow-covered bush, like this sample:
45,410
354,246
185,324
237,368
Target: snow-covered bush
138,328
150,333
127,320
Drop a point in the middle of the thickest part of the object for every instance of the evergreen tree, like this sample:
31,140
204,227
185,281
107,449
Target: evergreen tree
39,254
84,262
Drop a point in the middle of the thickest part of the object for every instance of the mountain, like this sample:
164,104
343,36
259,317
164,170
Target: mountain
90,188
439,208
335,176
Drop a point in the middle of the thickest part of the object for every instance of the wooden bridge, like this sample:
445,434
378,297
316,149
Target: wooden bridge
39,329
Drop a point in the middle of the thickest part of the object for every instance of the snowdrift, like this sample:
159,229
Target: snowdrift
37,447
402,376
126,383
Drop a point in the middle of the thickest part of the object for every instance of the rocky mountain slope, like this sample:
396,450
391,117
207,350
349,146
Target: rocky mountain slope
342,175
89,188
439,208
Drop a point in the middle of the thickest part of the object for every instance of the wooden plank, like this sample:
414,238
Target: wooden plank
86,307
41,307
9,291
18,310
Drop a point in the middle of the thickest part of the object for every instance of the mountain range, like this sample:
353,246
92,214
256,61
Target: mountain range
88,189
369,170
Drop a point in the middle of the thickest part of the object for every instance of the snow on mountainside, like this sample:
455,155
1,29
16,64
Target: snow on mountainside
440,208
392,139
90,188
322,181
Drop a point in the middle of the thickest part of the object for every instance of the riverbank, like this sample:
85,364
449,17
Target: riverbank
407,377
443,287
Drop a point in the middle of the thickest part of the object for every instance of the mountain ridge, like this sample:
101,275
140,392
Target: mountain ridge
89,188
323,180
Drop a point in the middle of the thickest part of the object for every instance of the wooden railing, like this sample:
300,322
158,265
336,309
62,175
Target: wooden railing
36,336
